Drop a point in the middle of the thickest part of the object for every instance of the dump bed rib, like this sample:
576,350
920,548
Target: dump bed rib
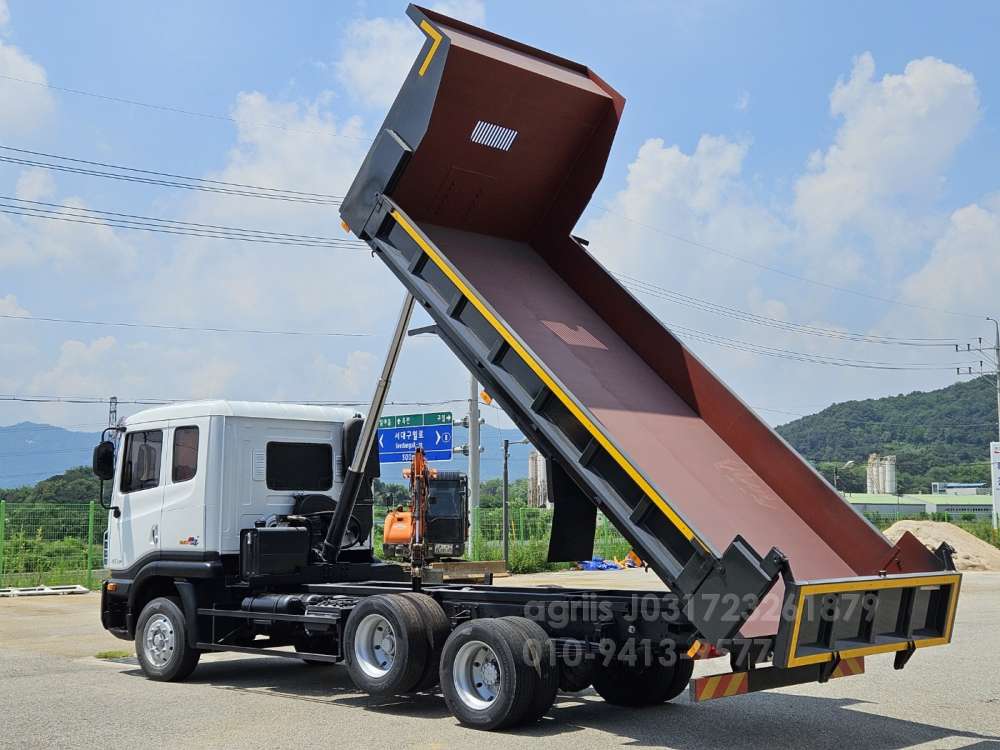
482,167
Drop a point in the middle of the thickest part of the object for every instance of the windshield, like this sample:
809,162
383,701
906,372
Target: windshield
447,499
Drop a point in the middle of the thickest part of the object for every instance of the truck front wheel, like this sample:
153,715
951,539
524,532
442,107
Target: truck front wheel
161,642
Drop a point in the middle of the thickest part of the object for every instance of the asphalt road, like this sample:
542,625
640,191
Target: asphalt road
54,693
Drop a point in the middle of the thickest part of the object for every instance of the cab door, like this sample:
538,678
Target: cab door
184,500
139,490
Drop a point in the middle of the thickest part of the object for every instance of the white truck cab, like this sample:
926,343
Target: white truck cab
190,476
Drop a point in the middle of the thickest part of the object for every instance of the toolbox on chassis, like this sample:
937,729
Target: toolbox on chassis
469,195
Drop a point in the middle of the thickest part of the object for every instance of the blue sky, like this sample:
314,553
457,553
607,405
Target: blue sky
853,144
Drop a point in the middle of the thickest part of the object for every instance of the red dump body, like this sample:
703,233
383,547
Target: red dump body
504,146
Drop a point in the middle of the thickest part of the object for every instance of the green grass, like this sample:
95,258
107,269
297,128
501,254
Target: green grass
113,654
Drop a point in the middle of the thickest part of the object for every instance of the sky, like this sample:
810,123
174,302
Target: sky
792,185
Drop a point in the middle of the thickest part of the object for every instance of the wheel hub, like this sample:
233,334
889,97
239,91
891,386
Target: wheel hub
375,646
159,640
477,675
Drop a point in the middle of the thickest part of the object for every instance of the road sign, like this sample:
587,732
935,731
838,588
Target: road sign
399,436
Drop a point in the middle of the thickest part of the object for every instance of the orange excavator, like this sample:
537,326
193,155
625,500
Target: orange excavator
435,526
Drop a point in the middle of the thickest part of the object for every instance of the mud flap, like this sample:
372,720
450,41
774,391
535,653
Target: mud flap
574,518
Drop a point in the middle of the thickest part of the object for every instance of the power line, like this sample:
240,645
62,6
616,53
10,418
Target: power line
177,327
645,287
740,345
176,222
117,220
166,179
782,272
155,401
181,111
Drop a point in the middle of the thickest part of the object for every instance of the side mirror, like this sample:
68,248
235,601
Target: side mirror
104,460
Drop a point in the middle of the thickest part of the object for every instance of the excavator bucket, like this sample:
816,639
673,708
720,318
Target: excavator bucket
470,194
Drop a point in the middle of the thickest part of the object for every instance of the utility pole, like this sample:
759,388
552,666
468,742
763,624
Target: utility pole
995,448
505,495
473,443
996,361
112,411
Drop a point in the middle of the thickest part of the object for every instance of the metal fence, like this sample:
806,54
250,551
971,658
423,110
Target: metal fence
528,537
51,544
62,543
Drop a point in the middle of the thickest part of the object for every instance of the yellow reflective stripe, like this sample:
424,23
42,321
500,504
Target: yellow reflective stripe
711,683
735,684
436,36
871,584
547,379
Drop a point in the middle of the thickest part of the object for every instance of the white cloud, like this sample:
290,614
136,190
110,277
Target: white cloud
377,52
470,11
35,184
700,196
4,15
962,273
743,101
898,135
25,106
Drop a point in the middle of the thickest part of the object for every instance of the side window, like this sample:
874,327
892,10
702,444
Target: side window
185,463
300,466
141,463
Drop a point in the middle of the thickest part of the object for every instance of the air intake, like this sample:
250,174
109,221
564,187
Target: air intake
493,136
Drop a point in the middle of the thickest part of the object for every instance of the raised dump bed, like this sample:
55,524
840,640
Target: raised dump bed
469,194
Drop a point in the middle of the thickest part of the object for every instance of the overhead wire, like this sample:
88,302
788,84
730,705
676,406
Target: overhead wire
178,327
180,110
166,179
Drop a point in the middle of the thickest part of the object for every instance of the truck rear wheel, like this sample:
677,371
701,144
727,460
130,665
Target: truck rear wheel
386,645
486,680
620,684
161,641
437,626
541,655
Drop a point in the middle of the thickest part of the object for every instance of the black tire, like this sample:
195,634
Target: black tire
624,685
517,680
161,641
540,653
437,626
408,640
577,676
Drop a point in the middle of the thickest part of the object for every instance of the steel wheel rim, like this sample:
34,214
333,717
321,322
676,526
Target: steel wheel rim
159,640
477,675
375,646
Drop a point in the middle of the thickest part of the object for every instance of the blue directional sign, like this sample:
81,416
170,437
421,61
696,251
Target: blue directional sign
399,437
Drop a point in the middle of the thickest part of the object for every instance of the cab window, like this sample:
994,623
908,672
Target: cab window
185,460
300,466
141,463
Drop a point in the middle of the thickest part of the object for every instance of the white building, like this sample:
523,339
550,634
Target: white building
538,490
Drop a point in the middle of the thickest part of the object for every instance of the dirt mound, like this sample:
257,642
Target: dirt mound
971,552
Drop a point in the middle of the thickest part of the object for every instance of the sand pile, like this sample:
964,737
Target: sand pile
971,552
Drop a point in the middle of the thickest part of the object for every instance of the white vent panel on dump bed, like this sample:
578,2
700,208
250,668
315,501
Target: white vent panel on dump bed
494,136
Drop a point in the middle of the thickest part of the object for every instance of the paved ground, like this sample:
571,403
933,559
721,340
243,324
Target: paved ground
54,693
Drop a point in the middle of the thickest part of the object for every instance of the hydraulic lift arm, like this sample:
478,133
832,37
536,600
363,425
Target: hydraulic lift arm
352,482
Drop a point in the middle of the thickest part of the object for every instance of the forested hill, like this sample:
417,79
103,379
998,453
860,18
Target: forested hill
937,436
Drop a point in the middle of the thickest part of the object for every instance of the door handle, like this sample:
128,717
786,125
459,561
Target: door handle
154,534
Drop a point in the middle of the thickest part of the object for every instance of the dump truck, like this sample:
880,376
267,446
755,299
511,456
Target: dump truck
470,194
